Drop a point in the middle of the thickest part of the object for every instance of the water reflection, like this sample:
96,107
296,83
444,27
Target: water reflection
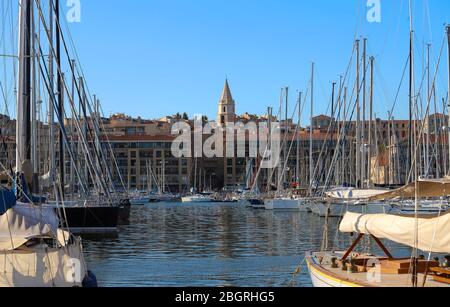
209,245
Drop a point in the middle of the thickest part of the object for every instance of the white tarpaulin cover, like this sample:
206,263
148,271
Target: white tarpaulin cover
352,194
37,266
40,267
24,222
434,233
428,188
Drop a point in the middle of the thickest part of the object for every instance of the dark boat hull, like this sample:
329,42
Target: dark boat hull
91,220
124,212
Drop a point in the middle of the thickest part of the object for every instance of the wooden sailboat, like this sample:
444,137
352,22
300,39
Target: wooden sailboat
350,269
422,233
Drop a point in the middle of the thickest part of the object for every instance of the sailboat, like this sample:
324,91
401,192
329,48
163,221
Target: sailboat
285,200
194,196
35,252
145,197
352,269
89,200
430,235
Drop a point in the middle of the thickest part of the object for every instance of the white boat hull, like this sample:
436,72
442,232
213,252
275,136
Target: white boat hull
320,279
282,204
196,199
338,210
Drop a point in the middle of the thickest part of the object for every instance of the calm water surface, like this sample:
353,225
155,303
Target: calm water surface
209,245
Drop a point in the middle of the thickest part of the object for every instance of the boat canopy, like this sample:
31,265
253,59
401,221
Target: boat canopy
353,194
434,233
25,222
428,188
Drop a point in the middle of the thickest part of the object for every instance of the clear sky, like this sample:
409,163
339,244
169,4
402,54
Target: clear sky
152,58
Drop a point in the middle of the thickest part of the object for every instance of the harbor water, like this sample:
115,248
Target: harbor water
188,245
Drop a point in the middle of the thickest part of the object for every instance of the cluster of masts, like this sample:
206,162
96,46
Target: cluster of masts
355,147
79,148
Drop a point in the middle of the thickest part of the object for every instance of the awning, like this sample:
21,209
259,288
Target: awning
434,233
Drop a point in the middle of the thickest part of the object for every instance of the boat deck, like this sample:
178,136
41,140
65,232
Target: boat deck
326,276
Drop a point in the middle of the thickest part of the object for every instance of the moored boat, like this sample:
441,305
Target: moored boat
352,269
198,198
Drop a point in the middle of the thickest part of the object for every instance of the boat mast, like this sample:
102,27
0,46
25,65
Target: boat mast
23,128
51,110
269,145
363,132
358,122
345,170
448,93
72,130
36,98
286,133
331,128
411,95
297,171
428,140
195,177
369,159
311,157
60,98
415,255
280,171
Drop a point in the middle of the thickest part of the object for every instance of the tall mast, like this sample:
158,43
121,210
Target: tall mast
344,129
35,101
358,121
60,97
330,145
427,145
415,256
448,93
363,133
269,143
23,129
372,59
51,106
297,171
72,132
311,157
83,115
411,97
286,132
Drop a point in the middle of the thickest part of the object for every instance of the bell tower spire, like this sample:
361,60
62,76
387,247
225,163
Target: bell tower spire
227,107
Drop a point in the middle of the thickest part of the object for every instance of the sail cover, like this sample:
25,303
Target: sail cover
352,194
434,233
25,222
425,189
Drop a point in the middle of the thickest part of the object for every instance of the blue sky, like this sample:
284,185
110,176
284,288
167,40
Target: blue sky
151,58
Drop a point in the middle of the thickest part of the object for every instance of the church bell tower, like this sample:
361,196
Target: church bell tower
227,107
